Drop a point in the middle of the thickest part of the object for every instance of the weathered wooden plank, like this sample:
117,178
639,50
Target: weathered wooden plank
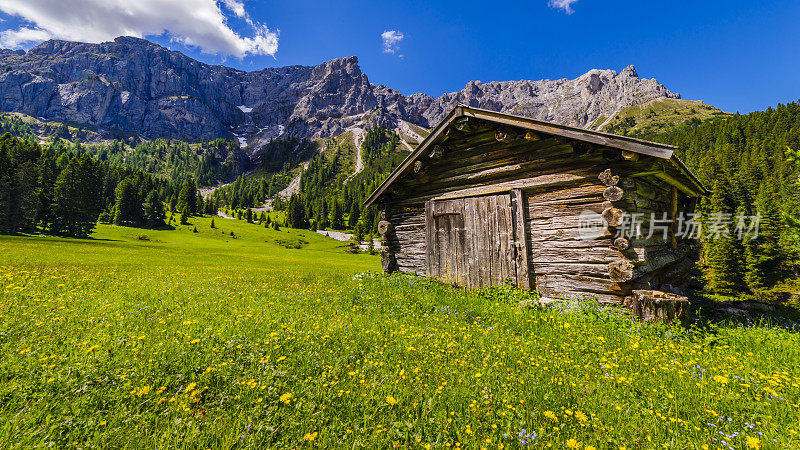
550,209
657,258
509,238
459,241
484,258
542,180
559,254
572,268
521,237
430,239
504,173
491,238
587,189
469,225
544,234
493,155
553,284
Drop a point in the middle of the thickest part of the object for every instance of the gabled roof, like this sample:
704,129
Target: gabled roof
655,149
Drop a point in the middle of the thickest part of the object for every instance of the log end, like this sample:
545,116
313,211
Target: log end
621,270
385,227
613,217
613,194
607,178
621,244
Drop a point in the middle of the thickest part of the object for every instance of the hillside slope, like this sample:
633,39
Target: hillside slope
656,116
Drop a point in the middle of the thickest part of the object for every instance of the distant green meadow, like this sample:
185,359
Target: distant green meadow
174,339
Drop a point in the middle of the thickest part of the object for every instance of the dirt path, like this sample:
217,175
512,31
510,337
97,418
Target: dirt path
410,148
404,128
358,139
344,237
294,185
206,192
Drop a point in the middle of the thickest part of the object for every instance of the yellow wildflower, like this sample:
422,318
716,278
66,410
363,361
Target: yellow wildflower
310,436
753,442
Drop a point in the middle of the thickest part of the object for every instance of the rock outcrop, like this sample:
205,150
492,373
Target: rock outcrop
134,86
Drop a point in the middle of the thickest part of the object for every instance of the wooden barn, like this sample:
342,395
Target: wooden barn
489,198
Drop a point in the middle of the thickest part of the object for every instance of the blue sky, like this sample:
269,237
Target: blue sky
736,55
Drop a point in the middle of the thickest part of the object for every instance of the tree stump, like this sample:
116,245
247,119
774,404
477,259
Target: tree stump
657,306
388,261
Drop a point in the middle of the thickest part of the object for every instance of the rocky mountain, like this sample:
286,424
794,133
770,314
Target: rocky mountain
131,85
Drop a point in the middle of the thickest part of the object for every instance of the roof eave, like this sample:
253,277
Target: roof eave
655,149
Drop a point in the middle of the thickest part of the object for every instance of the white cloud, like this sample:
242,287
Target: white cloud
199,23
236,7
566,5
391,41
15,38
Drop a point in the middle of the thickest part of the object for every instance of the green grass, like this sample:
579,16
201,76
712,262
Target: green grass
658,116
190,340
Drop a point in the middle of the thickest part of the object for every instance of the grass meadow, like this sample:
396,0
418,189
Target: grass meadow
198,340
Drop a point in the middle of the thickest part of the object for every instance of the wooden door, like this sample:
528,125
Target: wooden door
472,241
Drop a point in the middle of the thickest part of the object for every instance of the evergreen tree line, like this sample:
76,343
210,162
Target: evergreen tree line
209,162
750,162
11,123
252,191
274,161
67,193
328,199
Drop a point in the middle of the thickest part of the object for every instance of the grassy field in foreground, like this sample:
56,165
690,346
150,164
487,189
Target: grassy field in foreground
189,340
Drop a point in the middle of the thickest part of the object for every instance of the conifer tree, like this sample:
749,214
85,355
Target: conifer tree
187,198
48,172
296,213
722,255
765,255
153,210
354,215
127,209
337,221
76,200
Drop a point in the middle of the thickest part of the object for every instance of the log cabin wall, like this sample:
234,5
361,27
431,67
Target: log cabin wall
558,180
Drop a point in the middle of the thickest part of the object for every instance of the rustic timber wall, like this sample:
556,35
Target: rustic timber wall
558,179
407,243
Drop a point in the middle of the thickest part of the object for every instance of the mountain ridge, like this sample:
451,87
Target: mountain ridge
133,85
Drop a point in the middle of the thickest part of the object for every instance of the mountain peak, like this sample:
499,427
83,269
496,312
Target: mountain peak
124,86
347,64
629,71
133,40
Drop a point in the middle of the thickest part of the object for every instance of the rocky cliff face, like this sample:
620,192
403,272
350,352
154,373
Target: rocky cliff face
133,85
